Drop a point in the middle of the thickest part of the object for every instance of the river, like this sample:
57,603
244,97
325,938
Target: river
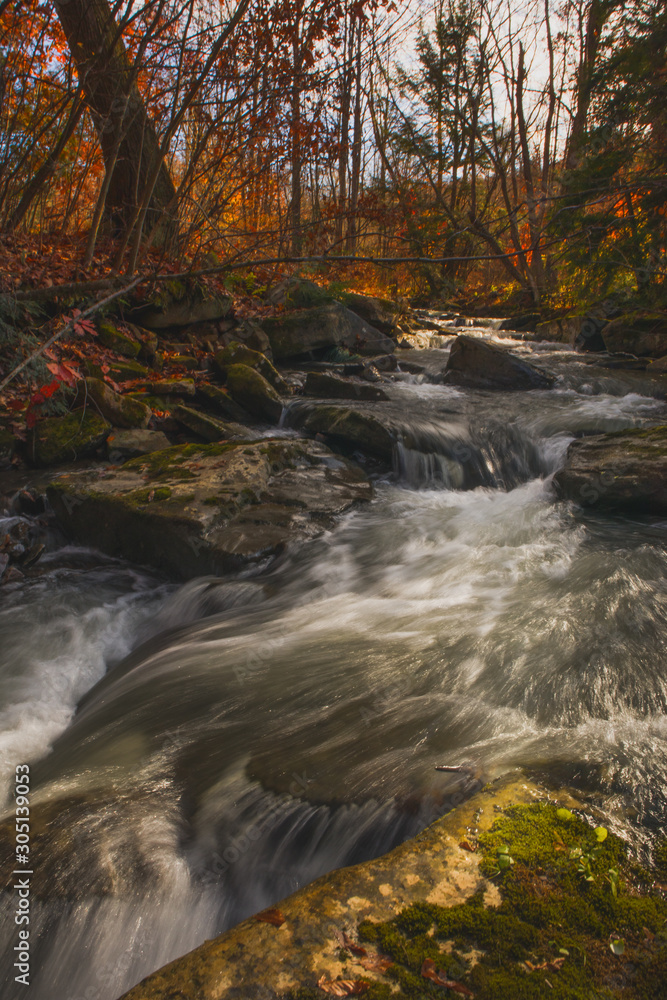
235,739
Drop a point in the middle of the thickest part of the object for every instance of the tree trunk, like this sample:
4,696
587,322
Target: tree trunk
118,111
597,15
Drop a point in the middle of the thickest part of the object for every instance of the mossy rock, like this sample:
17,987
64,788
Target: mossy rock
345,427
299,333
64,439
251,391
219,401
209,428
298,293
121,411
241,354
159,509
120,371
186,361
111,337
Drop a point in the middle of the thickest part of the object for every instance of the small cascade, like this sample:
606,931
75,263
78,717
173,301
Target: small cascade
431,455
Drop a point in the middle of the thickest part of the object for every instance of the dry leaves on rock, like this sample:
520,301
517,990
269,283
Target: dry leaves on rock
270,916
439,977
342,987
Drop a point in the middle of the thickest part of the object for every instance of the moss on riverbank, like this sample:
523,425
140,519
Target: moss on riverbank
577,921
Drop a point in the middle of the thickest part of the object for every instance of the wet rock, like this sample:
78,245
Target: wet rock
121,411
380,313
251,391
326,386
207,427
219,401
581,332
180,304
347,427
64,439
29,502
298,333
210,508
641,333
277,954
625,471
659,365
110,337
241,354
122,445
477,365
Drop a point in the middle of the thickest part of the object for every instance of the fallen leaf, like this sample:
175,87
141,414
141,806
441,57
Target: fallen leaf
467,846
348,943
270,916
342,987
439,977
376,963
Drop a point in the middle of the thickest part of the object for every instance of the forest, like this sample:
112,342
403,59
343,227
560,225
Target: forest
469,148
333,495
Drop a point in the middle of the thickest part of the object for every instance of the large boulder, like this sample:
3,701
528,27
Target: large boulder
297,293
121,411
181,304
625,471
64,439
641,333
326,386
298,333
241,354
584,332
251,391
210,508
344,427
380,313
476,364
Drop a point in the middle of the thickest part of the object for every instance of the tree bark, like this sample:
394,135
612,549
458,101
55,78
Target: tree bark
127,136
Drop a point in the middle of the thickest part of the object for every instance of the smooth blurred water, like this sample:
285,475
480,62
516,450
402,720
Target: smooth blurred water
253,734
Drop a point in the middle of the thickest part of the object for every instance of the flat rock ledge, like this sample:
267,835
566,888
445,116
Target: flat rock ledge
624,471
257,960
211,508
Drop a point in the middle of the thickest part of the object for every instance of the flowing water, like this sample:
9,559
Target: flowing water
237,738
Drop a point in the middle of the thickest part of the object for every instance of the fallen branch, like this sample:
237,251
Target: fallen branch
68,326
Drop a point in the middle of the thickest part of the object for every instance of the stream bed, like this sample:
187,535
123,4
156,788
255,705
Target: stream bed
235,739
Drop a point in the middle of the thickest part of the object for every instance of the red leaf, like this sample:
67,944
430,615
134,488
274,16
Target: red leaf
270,916
376,963
348,943
31,420
439,977
16,404
342,987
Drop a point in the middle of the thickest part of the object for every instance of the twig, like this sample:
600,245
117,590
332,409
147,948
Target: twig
65,328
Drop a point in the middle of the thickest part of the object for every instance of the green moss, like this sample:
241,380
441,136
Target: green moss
169,463
149,495
550,915
64,439
109,336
